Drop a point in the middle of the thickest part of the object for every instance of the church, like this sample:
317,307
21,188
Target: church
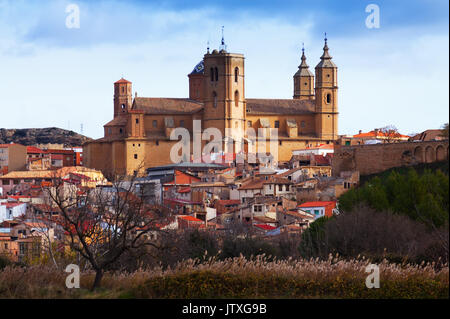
138,136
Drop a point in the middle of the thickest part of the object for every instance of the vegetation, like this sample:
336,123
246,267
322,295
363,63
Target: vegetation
239,277
401,215
444,130
423,197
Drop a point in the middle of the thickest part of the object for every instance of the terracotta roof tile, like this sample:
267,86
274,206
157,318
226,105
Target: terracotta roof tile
122,80
317,204
118,121
166,105
280,106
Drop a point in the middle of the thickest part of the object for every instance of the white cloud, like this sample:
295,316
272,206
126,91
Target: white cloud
386,77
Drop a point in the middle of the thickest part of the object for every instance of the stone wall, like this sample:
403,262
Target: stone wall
371,159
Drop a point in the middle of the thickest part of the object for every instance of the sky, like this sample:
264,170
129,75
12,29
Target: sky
55,76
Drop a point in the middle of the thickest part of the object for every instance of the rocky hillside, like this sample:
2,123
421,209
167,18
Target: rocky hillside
35,136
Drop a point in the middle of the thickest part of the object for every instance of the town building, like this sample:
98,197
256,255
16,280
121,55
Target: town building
138,137
13,157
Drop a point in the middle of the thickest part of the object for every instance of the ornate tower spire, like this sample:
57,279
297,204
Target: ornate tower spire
303,65
303,80
326,94
223,46
326,57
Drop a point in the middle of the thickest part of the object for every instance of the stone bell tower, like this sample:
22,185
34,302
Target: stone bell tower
326,97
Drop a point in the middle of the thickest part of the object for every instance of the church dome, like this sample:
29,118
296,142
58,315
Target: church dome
199,68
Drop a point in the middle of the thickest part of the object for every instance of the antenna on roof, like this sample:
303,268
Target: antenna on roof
81,128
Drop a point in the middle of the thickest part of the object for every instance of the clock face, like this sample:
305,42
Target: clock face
199,67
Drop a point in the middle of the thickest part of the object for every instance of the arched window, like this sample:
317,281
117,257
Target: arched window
217,74
236,74
236,98
214,99
212,74
328,98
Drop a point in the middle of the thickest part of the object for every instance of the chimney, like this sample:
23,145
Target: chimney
360,131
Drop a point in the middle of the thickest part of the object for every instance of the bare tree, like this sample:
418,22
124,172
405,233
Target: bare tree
444,130
390,133
103,223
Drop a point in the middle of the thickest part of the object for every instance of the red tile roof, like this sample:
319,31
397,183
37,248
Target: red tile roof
7,145
11,205
322,146
190,219
374,134
34,150
322,160
122,80
229,202
317,204
265,227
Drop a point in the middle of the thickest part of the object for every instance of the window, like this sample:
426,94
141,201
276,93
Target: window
214,99
212,74
157,143
236,98
16,182
137,121
280,187
135,156
236,74
316,212
328,98
277,124
302,124
123,106
121,131
216,74
155,123
123,89
182,123
249,124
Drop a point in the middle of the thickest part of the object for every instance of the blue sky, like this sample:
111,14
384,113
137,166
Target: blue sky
55,76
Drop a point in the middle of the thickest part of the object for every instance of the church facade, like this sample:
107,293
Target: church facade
138,137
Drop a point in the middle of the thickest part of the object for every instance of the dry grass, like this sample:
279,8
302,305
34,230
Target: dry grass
238,278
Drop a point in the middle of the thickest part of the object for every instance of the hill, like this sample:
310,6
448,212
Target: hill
35,136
